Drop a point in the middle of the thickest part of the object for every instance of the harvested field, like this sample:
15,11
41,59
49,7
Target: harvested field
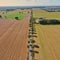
14,39
48,40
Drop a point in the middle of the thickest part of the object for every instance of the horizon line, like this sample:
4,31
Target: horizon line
26,6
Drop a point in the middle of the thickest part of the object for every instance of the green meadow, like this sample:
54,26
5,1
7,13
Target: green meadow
39,13
11,15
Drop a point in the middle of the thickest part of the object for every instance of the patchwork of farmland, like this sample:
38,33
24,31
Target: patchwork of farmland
48,36
14,39
39,13
14,36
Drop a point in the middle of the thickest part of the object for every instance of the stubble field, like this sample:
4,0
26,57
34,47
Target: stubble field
48,39
48,36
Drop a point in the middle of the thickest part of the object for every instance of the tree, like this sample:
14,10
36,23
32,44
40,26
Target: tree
0,16
16,18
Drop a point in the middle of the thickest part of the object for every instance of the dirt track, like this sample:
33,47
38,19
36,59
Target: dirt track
14,39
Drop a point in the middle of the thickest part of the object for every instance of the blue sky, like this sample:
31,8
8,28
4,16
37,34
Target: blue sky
29,2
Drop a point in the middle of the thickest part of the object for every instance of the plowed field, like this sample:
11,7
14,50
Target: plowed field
48,40
14,39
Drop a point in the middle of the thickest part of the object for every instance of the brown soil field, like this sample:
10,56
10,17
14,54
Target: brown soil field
14,39
48,40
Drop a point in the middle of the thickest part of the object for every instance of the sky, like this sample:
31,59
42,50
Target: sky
29,2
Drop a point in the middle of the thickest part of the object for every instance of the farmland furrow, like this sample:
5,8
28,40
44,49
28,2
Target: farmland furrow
42,46
49,44
55,41
14,41
50,50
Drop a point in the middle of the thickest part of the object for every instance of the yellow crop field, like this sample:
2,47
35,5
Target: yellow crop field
48,40
48,36
38,13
